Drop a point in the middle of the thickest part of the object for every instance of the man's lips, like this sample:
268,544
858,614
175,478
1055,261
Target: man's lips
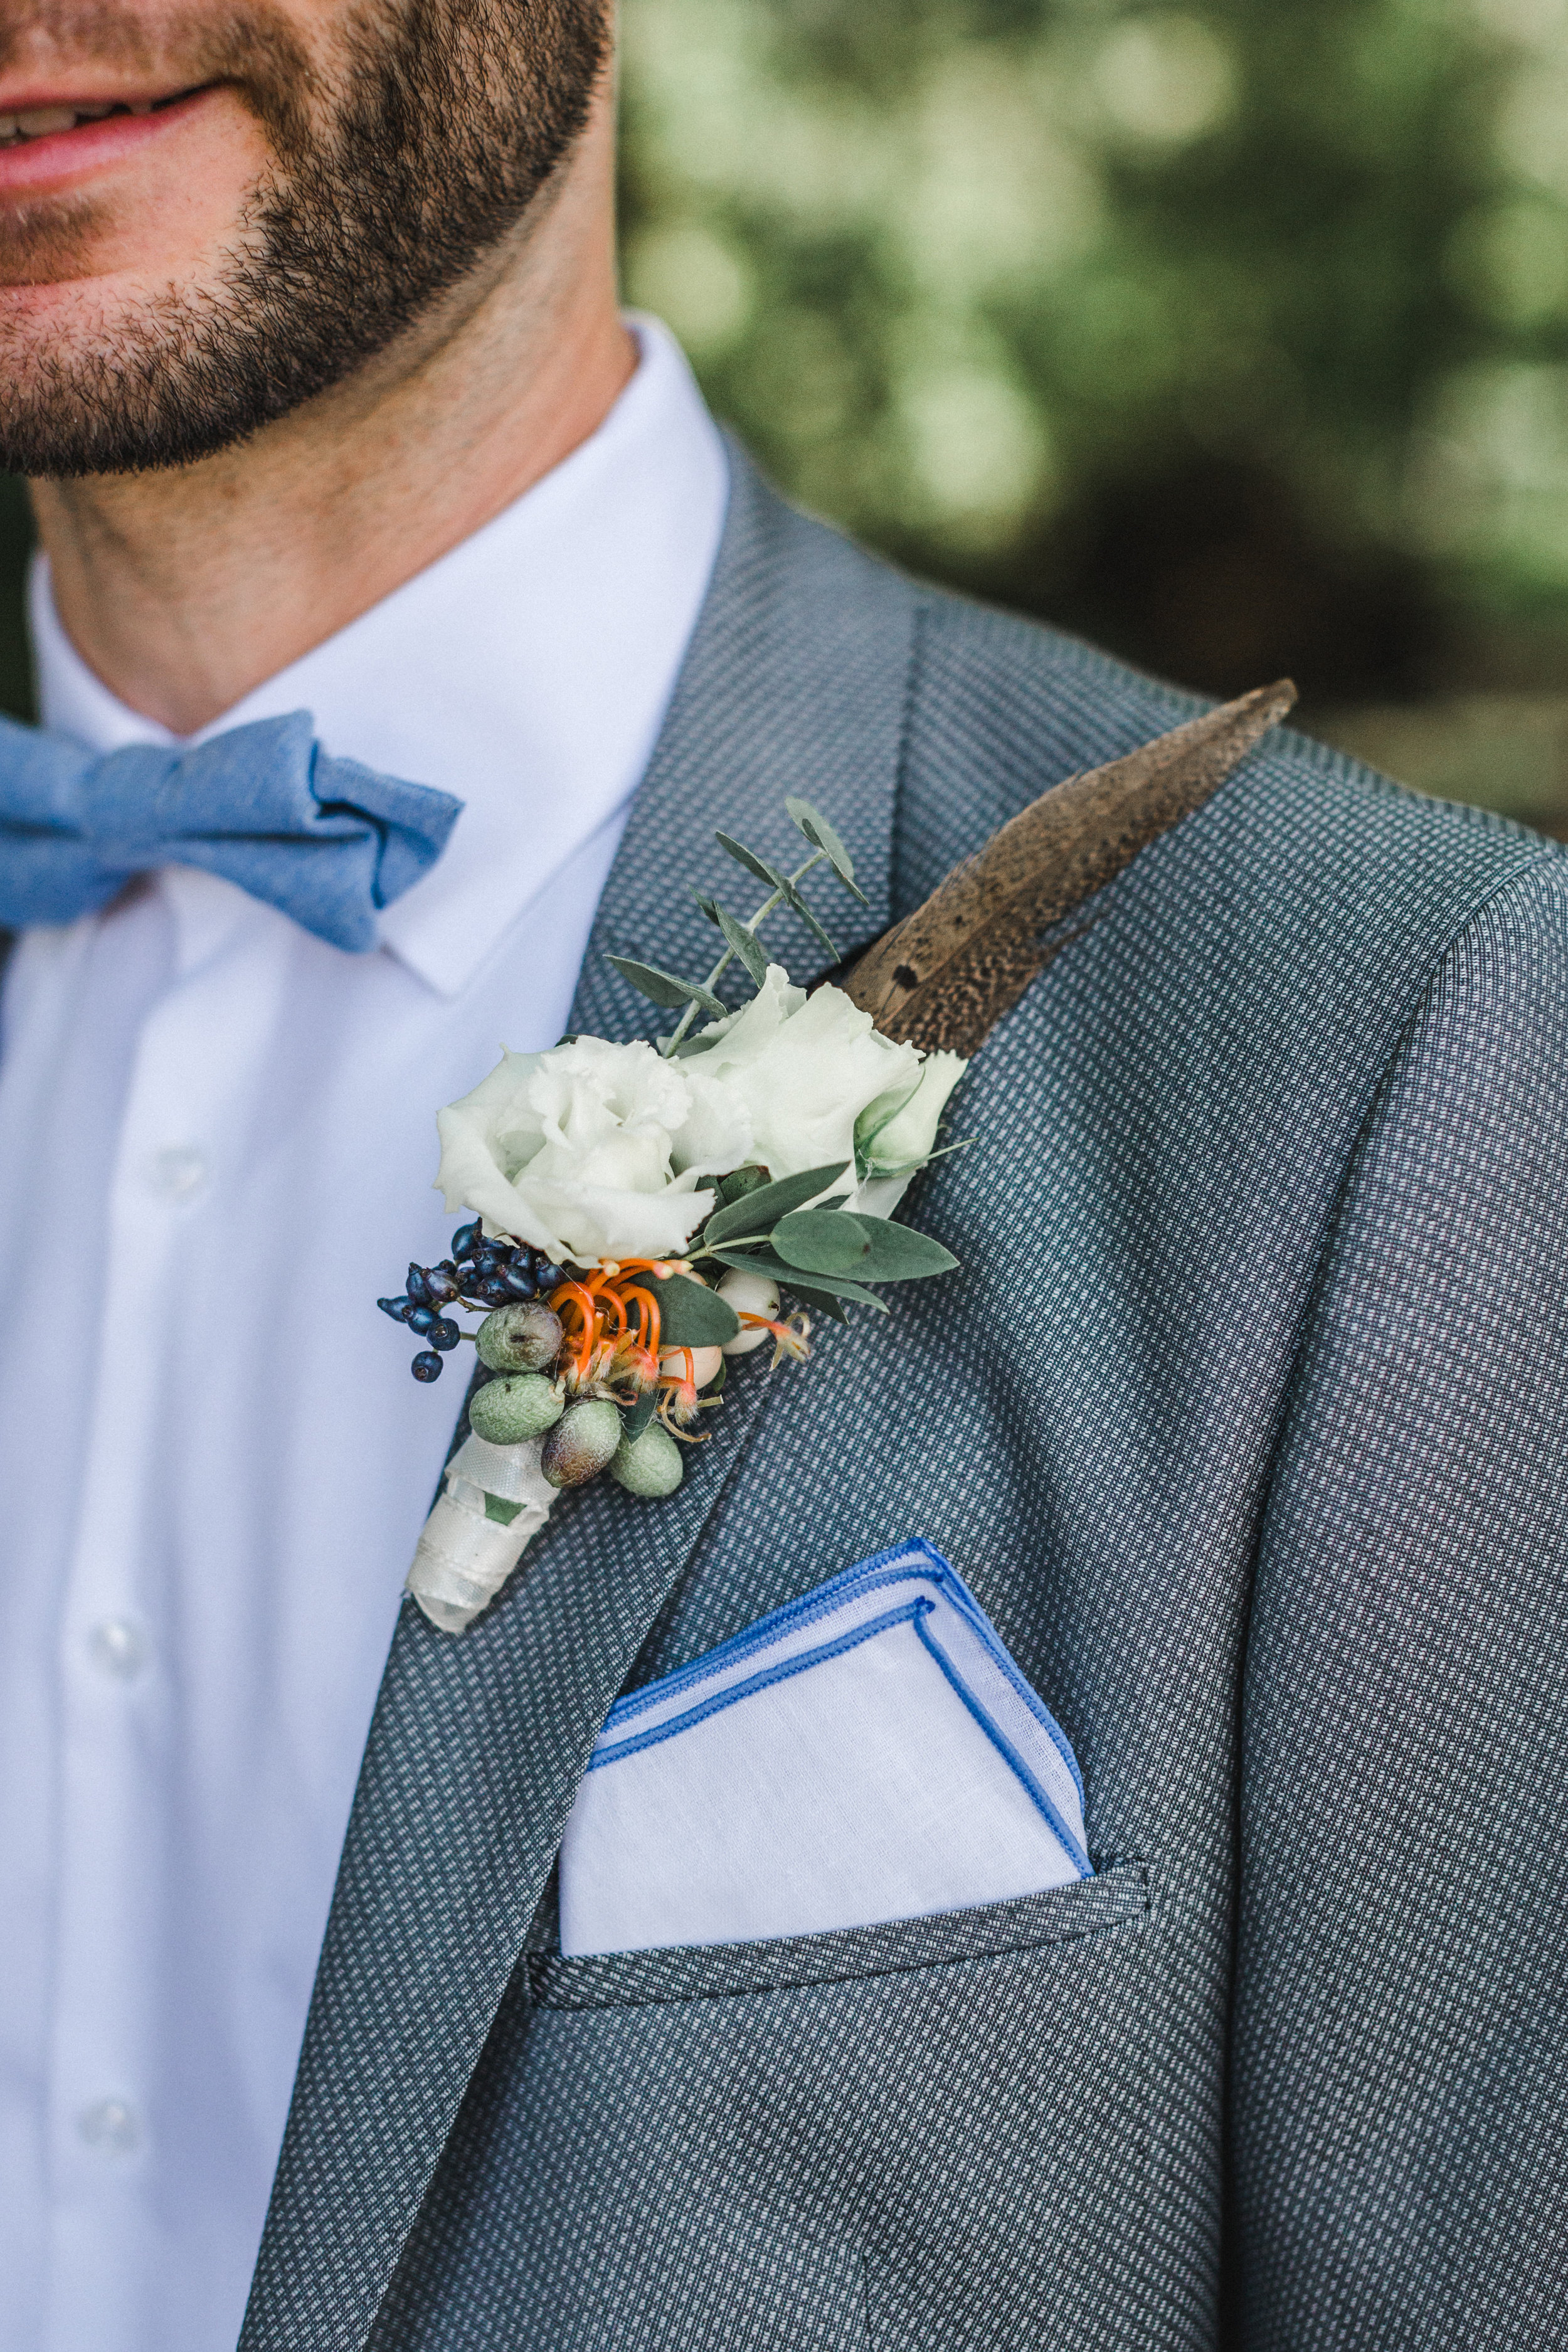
32,160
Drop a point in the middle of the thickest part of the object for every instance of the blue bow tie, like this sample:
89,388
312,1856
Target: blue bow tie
326,840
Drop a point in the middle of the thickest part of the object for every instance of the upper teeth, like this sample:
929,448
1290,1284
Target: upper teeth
39,121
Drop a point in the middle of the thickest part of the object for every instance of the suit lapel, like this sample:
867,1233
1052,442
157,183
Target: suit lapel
796,680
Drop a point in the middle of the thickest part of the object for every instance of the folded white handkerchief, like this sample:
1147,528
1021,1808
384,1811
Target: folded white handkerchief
868,1753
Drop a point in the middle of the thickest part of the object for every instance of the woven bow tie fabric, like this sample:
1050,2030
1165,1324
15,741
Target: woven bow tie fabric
327,841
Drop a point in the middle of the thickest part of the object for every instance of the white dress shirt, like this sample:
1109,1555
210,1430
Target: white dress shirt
216,1146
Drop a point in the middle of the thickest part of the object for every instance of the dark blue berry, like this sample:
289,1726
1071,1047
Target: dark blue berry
520,1279
396,1308
444,1333
420,1319
550,1277
426,1365
466,1240
441,1283
419,1289
493,1290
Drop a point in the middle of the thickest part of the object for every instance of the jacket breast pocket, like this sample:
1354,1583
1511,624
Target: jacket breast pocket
925,2135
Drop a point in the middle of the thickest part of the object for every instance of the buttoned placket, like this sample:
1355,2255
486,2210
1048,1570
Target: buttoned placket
118,1696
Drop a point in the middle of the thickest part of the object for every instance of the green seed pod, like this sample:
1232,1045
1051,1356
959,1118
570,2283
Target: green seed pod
650,1464
507,1411
582,1441
522,1338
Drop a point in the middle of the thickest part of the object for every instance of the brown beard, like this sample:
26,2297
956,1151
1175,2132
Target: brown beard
443,120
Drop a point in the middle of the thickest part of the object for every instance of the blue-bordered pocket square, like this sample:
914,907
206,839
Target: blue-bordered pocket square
869,1752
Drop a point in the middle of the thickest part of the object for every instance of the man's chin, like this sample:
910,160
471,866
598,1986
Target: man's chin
104,375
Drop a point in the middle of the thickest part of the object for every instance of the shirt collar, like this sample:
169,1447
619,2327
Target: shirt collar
528,671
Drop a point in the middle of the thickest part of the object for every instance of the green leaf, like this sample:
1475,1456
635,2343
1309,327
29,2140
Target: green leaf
744,1180
776,881
754,865
744,945
761,1210
690,1314
822,1241
898,1253
708,907
665,988
821,1302
639,1415
498,1508
821,835
763,1261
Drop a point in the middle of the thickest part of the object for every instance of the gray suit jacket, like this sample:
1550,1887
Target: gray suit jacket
1246,1421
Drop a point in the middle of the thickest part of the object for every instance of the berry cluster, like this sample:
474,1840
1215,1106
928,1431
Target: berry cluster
478,1274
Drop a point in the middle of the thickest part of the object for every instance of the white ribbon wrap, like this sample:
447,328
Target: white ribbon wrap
463,1557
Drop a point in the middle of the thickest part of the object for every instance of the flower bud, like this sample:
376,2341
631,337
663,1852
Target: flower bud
899,1129
748,1294
582,1441
650,1464
517,1407
705,1363
523,1339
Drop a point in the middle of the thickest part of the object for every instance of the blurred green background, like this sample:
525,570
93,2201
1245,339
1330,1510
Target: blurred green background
1233,336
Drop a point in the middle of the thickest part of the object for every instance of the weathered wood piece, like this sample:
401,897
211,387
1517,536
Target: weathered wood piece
947,973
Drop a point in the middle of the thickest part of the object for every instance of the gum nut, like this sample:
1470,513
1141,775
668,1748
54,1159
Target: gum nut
705,1363
650,1464
748,1294
518,1406
582,1441
522,1338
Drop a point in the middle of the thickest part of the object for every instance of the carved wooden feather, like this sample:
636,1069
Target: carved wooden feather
947,973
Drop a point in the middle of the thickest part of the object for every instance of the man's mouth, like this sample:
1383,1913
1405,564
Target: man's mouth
48,122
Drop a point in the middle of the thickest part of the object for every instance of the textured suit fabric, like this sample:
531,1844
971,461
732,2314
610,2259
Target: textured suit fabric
1245,1423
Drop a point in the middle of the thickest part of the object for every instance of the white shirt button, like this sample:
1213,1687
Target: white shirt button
178,1170
118,1647
109,2126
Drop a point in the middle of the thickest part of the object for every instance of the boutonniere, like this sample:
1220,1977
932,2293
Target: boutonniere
641,1214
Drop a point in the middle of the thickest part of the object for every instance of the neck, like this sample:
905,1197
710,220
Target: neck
184,589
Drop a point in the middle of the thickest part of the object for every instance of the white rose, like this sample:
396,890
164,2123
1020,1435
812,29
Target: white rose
804,1068
575,1150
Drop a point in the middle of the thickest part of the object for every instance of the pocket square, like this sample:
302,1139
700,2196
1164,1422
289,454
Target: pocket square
869,1752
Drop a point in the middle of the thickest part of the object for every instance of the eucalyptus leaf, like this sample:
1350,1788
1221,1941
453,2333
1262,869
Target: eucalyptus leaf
666,988
776,881
709,907
897,1253
821,835
755,866
759,1212
798,906
763,1261
639,1415
498,1508
821,1302
742,941
822,1241
690,1314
